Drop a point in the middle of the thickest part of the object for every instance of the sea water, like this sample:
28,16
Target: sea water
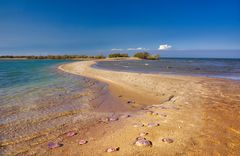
221,68
36,97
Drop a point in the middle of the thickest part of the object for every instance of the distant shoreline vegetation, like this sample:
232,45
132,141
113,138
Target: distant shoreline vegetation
140,55
54,57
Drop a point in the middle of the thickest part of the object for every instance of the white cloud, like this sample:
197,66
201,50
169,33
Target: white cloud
116,49
137,48
164,47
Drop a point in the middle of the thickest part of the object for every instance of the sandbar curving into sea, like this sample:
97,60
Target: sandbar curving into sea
199,115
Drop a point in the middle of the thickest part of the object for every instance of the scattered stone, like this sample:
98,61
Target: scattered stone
52,145
143,134
163,115
72,133
119,95
82,142
170,97
143,142
112,149
130,102
153,124
125,116
167,140
162,107
104,119
113,118
149,112
154,113
138,125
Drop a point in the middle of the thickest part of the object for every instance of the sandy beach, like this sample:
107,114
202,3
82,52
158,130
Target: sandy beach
180,115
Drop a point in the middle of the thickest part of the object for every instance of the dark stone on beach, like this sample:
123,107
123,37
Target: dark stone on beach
130,102
170,97
153,124
142,142
82,142
112,149
52,145
167,140
72,133
119,95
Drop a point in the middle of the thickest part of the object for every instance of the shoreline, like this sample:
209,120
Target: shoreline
189,105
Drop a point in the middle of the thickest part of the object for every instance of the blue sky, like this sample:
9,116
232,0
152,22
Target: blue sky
44,27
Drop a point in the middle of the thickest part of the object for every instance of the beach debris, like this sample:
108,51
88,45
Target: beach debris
140,141
143,134
123,116
149,112
71,133
82,142
104,119
119,95
114,118
138,125
162,107
153,124
163,115
130,102
170,97
154,113
52,145
167,140
112,149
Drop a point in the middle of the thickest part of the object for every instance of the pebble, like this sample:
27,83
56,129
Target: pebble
72,133
167,140
138,125
153,124
129,102
143,134
125,116
53,145
112,149
113,118
104,119
82,142
143,142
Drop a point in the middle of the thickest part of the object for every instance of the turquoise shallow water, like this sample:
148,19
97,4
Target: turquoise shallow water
221,68
35,97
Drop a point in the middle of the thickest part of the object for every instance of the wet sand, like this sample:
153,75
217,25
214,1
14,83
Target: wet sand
197,115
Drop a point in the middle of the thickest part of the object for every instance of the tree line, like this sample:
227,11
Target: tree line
141,55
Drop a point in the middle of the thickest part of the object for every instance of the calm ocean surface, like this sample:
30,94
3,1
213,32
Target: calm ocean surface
221,68
35,97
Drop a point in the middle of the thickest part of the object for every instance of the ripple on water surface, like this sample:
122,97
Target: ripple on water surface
36,98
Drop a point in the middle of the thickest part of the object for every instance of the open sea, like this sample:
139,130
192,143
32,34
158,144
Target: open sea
219,68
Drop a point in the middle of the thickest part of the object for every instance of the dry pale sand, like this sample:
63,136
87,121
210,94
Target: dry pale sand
201,115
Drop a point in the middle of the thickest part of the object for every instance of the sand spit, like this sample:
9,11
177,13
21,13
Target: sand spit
194,115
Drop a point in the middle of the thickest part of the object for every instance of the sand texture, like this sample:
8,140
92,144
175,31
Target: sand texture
179,115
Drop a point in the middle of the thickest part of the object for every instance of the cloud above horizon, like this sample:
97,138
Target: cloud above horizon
164,47
117,49
140,48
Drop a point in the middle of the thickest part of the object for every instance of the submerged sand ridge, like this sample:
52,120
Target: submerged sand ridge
181,115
